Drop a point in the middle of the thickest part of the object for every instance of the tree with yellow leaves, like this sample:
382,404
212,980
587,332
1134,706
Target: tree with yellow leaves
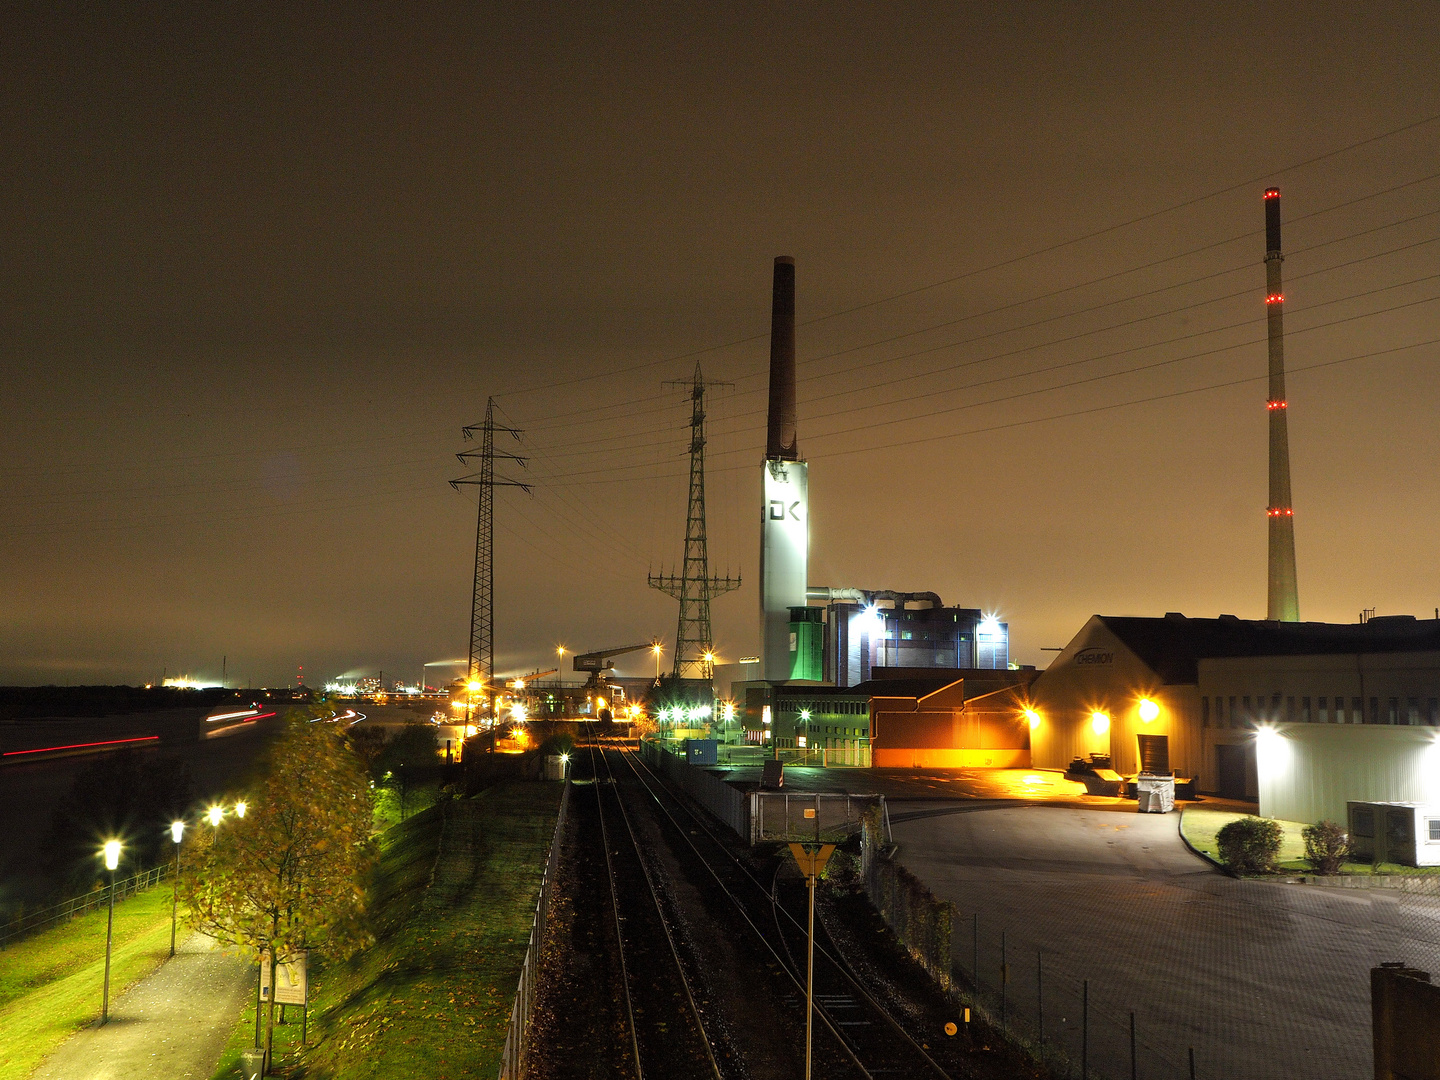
289,874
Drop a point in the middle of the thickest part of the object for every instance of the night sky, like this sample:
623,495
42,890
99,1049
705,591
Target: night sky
261,264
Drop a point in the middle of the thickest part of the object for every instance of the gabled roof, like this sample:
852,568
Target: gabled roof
1172,646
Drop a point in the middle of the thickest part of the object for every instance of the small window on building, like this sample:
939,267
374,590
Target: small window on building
1432,712
1393,715
1289,709
1363,821
1305,710
1357,714
1321,712
1275,707
1412,710
1433,827
1374,710
1248,714
1205,711
1230,710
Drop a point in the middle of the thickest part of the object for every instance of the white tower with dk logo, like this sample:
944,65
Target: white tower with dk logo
785,513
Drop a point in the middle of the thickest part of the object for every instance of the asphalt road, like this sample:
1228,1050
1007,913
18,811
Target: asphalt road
1262,979
172,1025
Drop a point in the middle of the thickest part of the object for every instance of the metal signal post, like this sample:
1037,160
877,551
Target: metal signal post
811,861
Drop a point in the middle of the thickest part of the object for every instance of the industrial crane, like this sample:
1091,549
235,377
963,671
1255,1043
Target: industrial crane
602,660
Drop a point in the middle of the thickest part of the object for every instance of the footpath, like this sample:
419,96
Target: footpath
173,1024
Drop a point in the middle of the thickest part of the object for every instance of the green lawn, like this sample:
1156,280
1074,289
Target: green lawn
1200,827
50,983
432,997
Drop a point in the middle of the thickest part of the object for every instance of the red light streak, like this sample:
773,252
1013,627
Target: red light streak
80,745
1275,298
1272,193
1273,405
1276,511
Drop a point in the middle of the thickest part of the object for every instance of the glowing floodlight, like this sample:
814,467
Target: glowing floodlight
112,854
1099,722
240,808
1148,710
1033,718
215,814
177,831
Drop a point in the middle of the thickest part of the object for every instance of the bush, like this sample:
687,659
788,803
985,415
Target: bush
1326,846
1249,845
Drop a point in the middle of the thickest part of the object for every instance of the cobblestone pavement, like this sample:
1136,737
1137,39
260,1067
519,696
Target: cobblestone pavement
173,1024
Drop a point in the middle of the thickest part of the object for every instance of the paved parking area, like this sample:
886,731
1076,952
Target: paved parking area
1262,979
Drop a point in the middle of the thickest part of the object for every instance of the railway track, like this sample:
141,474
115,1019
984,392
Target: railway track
855,1035
664,1013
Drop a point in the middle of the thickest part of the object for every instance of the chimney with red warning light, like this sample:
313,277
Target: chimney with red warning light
1284,601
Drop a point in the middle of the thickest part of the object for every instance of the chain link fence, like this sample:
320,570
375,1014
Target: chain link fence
517,1041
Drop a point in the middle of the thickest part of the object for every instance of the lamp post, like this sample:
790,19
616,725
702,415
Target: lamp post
177,832
112,860
240,808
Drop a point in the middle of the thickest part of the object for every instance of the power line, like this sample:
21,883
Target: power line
1003,263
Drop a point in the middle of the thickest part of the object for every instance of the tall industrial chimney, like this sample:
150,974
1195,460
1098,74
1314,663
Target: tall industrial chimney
1284,600
785,513
780,443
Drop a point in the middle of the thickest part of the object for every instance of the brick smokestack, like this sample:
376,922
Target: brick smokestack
781,443
1283,594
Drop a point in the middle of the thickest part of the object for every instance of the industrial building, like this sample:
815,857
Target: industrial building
1300,717
858,631
905,718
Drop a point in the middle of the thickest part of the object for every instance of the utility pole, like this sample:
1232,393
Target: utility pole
482,597
694,586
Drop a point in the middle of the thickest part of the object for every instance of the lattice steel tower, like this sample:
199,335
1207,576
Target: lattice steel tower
482,597
694,587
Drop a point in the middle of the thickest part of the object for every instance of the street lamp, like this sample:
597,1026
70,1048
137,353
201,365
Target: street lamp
240,808
177,833
215,814
112,860
657,648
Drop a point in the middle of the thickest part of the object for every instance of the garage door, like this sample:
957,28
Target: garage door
1231,769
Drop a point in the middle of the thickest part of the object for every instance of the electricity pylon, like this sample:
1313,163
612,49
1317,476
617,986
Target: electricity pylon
482,597
694,586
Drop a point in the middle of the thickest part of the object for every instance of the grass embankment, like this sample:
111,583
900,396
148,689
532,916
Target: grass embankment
417,800
1201,827
50,984
432,996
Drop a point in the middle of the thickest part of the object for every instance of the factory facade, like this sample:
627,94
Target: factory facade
904,718
1300,717
857,632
